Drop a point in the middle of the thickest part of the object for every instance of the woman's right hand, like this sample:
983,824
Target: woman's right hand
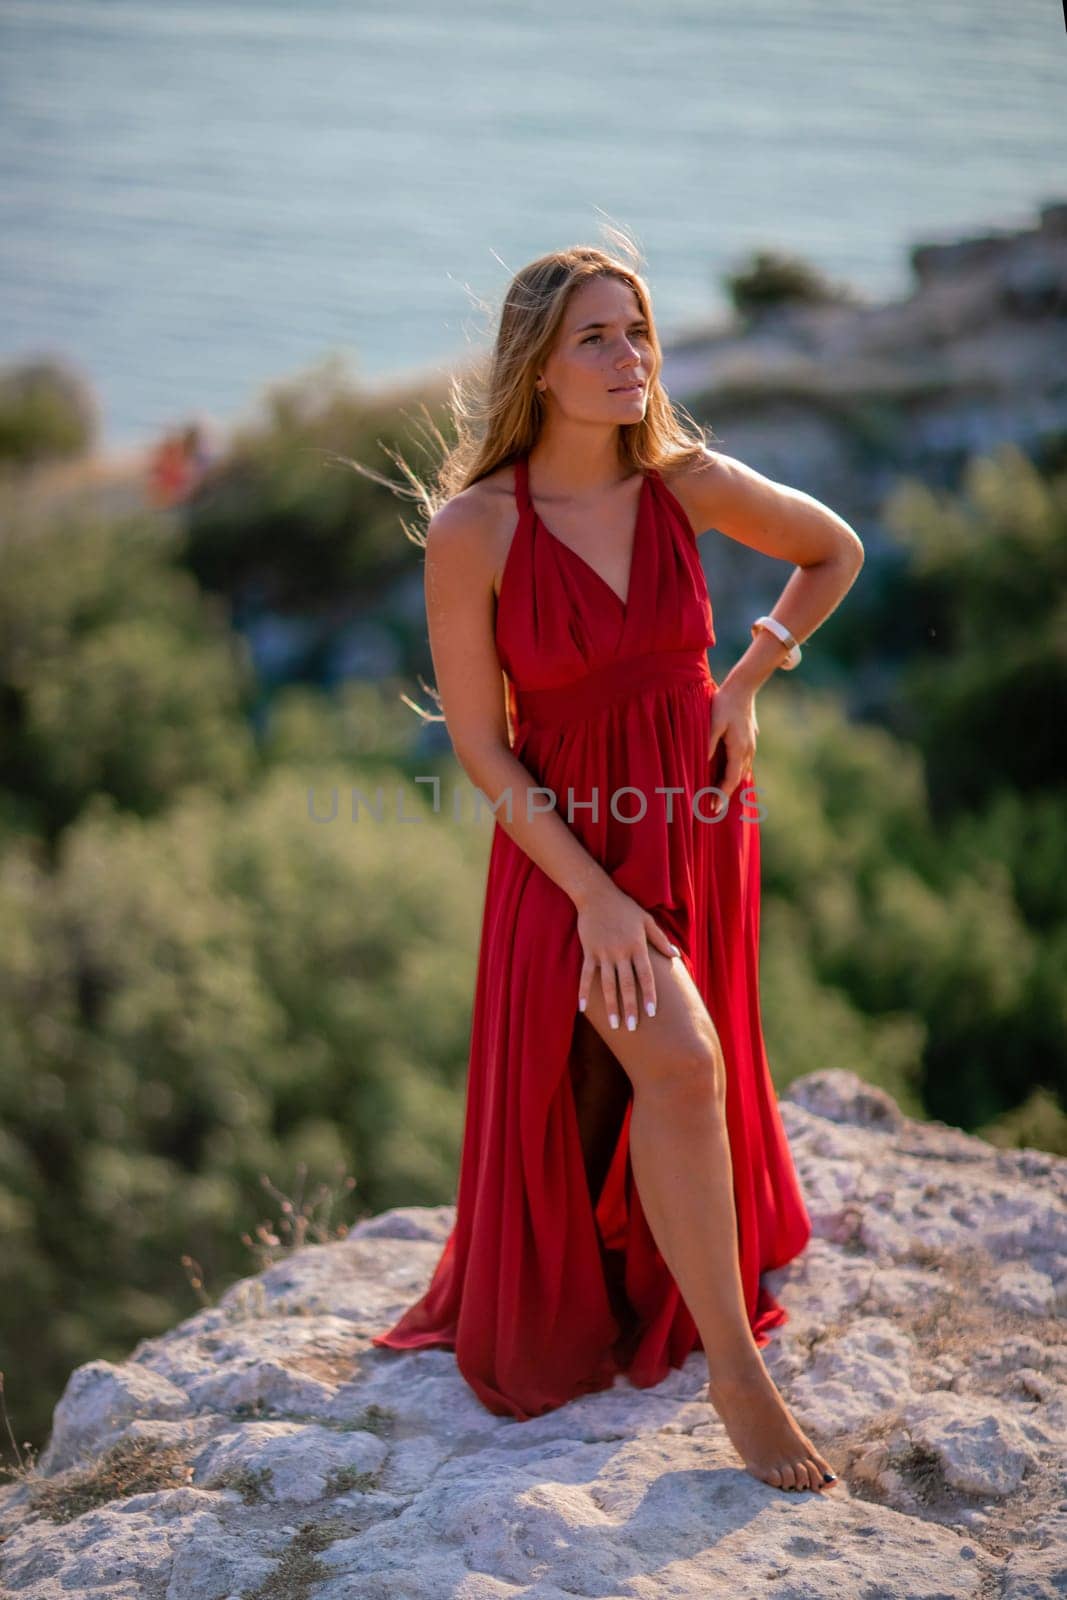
615,933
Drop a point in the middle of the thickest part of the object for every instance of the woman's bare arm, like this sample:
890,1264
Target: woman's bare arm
780,521
460,607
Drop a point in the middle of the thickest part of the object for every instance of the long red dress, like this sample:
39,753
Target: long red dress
602,696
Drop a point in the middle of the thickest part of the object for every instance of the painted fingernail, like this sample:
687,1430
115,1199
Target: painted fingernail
613,1019
675,950
650,1007
631,1023
581,1004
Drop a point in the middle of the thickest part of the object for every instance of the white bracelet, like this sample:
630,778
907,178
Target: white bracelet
781,632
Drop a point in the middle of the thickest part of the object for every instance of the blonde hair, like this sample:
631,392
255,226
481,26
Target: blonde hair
495,408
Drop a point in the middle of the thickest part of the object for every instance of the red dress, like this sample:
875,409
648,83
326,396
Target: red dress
616,698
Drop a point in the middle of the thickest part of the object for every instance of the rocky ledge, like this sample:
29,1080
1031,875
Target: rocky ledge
264,1448
843,397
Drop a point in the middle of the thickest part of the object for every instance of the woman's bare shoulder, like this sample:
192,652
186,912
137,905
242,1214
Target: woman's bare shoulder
695,475
693,485
473,527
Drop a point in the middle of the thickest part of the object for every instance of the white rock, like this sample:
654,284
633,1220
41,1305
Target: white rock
99,1403
297,1463
293,1444
1021,1288
853,1378
842,1097
979,1448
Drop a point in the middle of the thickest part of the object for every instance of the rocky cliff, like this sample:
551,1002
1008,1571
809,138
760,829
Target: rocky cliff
973,356
264,1448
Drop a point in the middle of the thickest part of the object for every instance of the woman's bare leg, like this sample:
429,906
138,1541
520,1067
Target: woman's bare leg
680,1153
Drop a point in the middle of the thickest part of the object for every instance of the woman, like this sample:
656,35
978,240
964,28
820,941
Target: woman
621,1188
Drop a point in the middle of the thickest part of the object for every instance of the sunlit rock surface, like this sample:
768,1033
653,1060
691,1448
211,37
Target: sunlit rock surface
265,1447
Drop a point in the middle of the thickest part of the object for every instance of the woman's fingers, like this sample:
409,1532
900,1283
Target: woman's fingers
645,976
585,982
628,989
617,978
661,940
611,998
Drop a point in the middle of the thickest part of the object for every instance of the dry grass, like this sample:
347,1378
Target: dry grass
299,1568
25,1466
304,1218
251,1483
128,1467
346,1479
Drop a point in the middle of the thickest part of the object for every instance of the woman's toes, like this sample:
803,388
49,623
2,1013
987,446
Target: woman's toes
773,1477
789,1479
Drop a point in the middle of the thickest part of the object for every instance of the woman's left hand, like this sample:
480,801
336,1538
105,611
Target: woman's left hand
733,735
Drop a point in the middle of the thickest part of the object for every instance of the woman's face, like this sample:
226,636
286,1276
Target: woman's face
600,366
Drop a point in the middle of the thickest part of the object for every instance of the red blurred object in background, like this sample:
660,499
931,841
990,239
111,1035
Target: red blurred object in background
177,466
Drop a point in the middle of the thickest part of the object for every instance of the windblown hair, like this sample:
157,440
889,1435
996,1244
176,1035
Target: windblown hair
495,408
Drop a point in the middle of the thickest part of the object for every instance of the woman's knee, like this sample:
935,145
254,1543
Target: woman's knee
695,1075
687,1066
678,1053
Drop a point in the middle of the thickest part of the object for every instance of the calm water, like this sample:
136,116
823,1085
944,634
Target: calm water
198,197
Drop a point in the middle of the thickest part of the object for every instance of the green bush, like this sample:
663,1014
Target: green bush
286,520
901,923
46,414
117,676
192,1000
770,278
1040,1123
985,698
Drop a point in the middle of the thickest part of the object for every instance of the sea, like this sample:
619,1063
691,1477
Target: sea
202,199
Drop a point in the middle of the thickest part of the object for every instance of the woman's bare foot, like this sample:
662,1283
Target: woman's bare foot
762,1430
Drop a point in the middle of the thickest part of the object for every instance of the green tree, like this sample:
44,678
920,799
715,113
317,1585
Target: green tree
117,675
985,700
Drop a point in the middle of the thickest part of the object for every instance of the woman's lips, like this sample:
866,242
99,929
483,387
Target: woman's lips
627,388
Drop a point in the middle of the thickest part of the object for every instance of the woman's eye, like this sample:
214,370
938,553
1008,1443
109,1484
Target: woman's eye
642,333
